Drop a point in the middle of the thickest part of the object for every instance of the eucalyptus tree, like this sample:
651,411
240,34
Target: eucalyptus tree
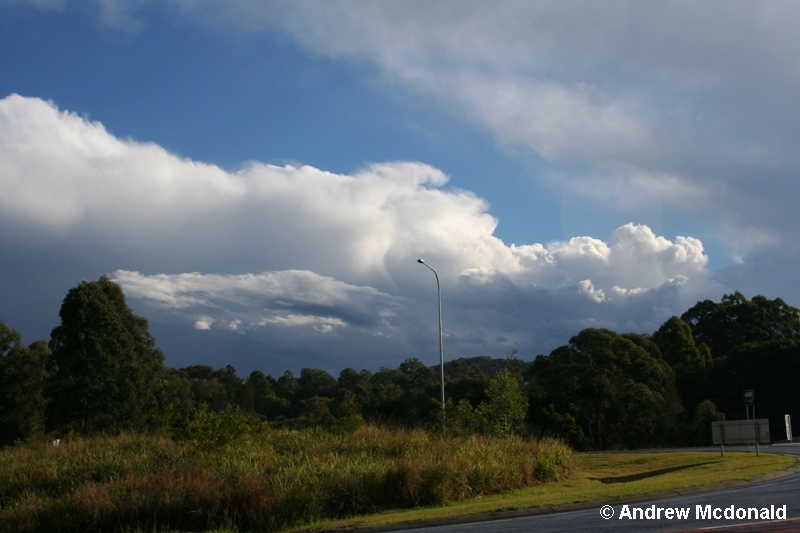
605,390
755,344
105,362
504,411
23,378
736,321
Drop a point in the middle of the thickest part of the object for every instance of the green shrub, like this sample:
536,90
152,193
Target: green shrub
553,460
503,413
461,418
212,430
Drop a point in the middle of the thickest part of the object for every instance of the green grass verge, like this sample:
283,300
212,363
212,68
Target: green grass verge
599,477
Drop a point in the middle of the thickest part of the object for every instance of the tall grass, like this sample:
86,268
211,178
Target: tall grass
264,482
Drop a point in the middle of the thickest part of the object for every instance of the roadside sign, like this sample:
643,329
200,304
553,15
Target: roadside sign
749,397
741,431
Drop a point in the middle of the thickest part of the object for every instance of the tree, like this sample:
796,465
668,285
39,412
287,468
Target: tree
700,427
692,364
754,344
407,395
275,399
210,387
772,370
236,389
356,387
176,401
466,380
421,385
736,321
315,382
389,397
611,390
263,388
461,419
106,365
678,347
316,412
503,413
23,378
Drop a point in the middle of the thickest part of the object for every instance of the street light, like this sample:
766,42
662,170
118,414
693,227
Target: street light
441,346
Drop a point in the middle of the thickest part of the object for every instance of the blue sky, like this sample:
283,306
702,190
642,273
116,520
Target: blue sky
260,177
224,98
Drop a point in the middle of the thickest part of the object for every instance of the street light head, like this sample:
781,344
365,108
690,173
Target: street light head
421,261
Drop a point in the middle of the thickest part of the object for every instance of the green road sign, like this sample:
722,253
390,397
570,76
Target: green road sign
749,397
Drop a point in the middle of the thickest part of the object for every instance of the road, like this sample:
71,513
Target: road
690,512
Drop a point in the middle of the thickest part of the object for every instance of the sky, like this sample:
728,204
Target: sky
260,177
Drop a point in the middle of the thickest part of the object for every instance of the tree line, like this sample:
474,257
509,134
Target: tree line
101,372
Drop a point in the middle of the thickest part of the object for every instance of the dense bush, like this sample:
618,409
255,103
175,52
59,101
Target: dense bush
266,482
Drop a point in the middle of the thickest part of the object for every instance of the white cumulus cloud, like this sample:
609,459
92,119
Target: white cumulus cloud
309,264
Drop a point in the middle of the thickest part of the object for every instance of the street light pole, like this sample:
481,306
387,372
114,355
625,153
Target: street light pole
441,345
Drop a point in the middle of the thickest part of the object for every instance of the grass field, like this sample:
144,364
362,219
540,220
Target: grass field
304,480
267,481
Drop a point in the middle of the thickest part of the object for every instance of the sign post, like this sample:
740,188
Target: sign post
788,420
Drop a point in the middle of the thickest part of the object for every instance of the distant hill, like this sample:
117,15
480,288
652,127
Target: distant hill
465,367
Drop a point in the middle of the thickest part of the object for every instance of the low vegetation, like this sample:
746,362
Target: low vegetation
262,481
598,477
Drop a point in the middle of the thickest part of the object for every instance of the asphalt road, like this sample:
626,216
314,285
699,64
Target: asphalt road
714,509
